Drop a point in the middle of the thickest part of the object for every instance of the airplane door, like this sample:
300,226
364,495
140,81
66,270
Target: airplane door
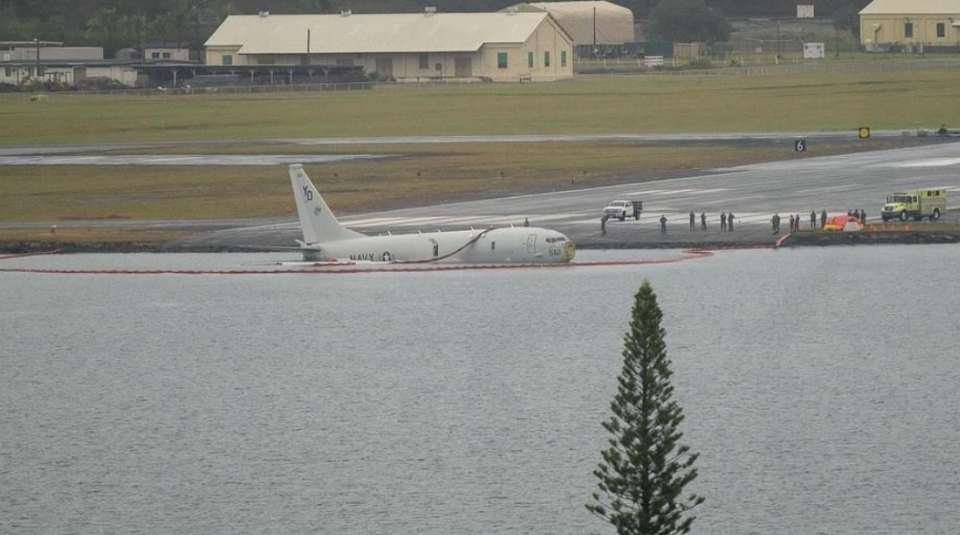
532,244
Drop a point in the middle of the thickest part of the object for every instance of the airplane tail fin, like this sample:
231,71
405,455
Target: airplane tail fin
316,220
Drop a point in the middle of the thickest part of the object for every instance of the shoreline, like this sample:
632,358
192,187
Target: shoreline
749,241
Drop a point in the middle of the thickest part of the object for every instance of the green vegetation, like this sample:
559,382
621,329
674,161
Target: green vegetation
645,470
701,103
687,21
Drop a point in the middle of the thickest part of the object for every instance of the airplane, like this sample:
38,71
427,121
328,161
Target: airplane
326,240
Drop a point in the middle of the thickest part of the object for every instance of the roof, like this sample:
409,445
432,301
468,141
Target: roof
614,24
172,46
912,7
355,34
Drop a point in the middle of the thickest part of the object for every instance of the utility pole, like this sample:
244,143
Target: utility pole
837,34
778,41
595,51
37,72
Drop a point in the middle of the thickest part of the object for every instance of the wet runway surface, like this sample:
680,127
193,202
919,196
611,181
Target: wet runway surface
752,192
27,150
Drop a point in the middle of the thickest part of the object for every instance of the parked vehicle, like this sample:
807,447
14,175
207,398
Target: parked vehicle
918,204
623,209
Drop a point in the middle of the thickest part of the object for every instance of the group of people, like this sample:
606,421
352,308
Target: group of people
726,222
795,220
859,214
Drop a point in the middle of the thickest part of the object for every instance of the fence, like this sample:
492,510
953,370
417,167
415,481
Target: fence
219,90
706,66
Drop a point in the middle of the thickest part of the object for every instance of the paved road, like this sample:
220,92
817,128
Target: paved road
752,192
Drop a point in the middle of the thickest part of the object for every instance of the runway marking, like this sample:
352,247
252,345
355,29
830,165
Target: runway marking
936,162
824,189
646,192
535,220
664,192
371,221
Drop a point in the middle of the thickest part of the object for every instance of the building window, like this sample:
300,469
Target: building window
424,62
501,60
908,30
941,29
9,72
155,55
563,58
438,66
530,59
227,59
166,55
546,59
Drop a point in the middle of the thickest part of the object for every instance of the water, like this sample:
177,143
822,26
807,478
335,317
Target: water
819,386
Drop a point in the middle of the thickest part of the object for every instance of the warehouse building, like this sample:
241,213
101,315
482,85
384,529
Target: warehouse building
508,46
60,64
911,26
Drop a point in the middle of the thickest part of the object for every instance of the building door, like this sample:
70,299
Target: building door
385,67
463,67
79,74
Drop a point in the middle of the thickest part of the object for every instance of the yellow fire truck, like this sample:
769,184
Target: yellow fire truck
918,204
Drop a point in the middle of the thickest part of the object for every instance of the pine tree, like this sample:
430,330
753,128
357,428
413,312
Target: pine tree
645,469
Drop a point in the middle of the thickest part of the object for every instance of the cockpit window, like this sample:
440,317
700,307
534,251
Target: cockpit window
555,240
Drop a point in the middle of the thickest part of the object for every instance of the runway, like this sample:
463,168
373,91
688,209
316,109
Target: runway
752,192
51,150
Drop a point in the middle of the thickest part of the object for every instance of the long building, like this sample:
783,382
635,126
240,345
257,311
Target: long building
508,46
932,25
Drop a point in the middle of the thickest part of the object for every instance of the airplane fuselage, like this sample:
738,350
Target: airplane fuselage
495,246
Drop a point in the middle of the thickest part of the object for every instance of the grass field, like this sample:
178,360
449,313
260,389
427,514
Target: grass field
622,105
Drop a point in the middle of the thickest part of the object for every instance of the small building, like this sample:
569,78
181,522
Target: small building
68,72
60,64
49,51
509,46
154,52
911,26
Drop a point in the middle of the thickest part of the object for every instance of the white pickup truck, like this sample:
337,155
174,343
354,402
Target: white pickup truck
623,209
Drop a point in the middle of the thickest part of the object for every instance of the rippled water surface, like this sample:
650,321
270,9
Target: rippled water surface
819,385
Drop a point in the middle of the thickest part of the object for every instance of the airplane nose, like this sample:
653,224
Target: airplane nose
569,250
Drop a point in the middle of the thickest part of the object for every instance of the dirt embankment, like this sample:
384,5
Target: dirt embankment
694,241
871,238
